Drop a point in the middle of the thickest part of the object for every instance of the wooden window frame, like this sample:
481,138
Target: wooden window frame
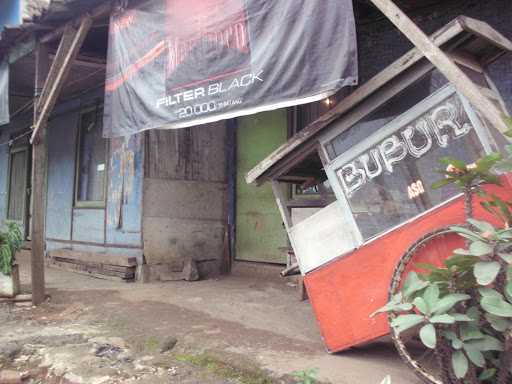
12,151
89,204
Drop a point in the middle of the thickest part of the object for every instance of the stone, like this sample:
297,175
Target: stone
125,356
10,377
190,271
168,344
72,378
100,380
9,351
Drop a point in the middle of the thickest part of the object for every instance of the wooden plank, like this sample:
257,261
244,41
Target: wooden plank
443,63
406,61
68,49
99,266
281,204
16,299
100,11
39,159
92,269
486,32
70,268
93,257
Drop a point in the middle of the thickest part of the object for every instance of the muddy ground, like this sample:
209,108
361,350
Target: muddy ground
235,329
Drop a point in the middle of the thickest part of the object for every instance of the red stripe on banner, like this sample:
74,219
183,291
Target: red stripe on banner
119,80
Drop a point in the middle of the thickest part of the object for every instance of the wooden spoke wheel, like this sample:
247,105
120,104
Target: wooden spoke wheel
433,248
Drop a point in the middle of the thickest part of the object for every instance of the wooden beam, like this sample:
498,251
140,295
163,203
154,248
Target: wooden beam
69,46
444,64
98,12
39,150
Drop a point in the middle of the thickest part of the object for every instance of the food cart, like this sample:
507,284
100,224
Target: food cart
374,157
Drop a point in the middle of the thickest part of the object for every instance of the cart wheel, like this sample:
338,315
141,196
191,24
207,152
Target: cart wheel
434,247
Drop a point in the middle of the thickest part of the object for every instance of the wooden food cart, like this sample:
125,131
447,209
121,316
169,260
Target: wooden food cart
374,155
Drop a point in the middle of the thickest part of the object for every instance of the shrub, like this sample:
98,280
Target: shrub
10,242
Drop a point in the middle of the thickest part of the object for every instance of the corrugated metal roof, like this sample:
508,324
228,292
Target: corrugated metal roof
44,15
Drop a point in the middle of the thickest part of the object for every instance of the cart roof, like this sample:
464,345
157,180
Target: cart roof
478,39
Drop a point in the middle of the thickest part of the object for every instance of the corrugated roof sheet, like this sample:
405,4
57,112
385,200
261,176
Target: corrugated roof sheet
44,15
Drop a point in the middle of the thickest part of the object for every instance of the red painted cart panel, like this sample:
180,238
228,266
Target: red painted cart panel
346,291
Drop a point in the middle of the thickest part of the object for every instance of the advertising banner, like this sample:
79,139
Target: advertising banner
179,63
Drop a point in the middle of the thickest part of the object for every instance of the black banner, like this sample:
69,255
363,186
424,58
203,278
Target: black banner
179,63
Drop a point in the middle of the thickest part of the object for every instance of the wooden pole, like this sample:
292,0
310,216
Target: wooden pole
69,47
39,152
444,64
48,84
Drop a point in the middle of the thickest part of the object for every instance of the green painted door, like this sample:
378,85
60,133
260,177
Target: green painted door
260,235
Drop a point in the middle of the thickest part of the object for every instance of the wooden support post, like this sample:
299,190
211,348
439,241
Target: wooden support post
288,224
443,63
48,84
39,150
69,46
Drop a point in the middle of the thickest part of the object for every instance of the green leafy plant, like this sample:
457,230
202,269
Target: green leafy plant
463,309
307,376
10,242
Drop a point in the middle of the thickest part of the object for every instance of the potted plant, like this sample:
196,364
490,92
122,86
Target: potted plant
10,242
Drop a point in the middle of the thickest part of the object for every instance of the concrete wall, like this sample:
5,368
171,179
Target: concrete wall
184,210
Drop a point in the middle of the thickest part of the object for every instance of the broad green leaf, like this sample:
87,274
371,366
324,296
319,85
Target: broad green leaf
460,364
470,331
496,306
462,251
507,257
475,355
461,260
488,343
393,307
413,284
441,183
447,302
442,319
428,336
431,295
500,324
425,266
479,248
459,164
422,305
473,313
482,226
487,374
489,292
467,233
491,179
486,272
461,317
451,336
404,322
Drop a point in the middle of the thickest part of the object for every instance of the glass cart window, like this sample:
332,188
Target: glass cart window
389,182
395,106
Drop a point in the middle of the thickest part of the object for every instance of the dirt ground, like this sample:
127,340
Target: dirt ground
230,330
